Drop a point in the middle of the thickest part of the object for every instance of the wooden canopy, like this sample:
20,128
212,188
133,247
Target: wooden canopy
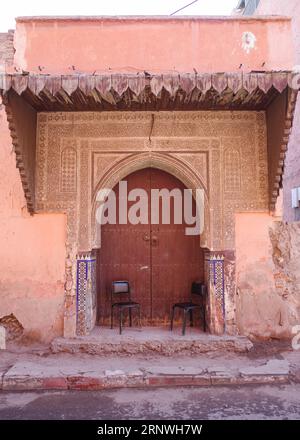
144,91
25,94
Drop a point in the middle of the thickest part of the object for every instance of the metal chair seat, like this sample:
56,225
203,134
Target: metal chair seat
125,304
121,288
199,289
186,305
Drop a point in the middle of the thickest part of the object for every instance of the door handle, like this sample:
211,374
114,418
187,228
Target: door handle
154,241
146,237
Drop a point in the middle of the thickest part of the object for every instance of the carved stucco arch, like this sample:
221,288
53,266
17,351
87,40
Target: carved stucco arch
164,162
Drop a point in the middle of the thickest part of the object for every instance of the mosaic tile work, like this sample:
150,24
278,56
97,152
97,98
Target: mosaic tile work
86,293
215,277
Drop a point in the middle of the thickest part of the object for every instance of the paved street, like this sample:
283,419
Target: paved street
248,402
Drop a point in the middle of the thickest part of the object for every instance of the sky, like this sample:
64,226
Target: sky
17,8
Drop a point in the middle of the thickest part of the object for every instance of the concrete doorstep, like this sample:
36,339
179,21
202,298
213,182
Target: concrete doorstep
28,376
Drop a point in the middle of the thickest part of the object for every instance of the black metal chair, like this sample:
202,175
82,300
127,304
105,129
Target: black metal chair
122,288
198,289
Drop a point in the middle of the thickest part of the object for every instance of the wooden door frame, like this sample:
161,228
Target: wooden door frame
219,265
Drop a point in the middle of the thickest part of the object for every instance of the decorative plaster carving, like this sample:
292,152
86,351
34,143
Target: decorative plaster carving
226,151
198,162
232,172
68,170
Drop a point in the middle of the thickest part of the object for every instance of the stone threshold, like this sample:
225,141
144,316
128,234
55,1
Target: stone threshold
159,342
28,376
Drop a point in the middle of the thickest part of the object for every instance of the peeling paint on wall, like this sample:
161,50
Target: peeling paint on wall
248,41
12,325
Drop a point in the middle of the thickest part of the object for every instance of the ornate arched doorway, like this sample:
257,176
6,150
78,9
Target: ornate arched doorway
159,260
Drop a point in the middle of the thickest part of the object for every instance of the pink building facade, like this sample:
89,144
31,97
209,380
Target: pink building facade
78,98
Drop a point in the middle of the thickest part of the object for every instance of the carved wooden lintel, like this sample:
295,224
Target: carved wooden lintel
277,181
26,171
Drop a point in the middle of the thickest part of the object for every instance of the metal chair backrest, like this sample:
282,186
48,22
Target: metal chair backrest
198,289
120,288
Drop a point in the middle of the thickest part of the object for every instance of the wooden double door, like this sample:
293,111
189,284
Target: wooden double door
159,260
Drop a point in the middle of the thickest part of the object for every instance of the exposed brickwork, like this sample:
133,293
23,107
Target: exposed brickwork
6,49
